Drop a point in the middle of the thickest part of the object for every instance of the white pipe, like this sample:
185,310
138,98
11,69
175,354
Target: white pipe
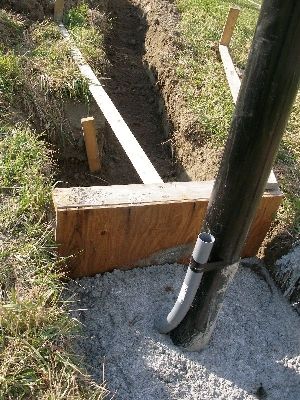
190,285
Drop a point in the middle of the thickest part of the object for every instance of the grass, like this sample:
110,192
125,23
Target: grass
11,29
36,62
77,16
206,90
207,93
36,331
10,74
51,65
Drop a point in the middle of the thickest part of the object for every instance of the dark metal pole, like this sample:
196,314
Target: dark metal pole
267,93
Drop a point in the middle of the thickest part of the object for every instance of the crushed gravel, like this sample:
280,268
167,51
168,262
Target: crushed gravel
288,276
254,352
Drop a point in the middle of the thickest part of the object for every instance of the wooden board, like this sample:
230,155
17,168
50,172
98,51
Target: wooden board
91,144
229,26
130,145
152,224
59,10
261,224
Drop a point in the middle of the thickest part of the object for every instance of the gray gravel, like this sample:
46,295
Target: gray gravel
288,276
254,352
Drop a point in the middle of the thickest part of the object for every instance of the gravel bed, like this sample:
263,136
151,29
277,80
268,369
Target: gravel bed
254,352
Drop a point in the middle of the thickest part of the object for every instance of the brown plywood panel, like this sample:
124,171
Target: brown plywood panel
152,224
105,238
261,224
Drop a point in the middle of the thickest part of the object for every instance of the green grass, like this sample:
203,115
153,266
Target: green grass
10,74
205,87
35,328
36,331
77,16
207,93
51,65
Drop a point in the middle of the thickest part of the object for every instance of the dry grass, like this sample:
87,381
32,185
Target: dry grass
47,75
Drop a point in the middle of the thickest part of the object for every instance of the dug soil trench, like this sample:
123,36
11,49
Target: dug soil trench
129,86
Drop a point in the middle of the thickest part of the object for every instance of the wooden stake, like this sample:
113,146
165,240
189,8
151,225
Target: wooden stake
58,10
91,145
229,26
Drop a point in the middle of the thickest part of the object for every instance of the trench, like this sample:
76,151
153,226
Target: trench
128,83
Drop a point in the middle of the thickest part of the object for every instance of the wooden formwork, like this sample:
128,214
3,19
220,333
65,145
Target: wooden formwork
102,228
137,225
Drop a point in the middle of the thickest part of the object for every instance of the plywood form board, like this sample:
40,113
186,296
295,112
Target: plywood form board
261,224
138,225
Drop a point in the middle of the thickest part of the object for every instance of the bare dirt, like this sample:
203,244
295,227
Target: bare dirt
33,9
129,85
196,158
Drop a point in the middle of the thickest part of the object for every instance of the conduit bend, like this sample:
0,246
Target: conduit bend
202,250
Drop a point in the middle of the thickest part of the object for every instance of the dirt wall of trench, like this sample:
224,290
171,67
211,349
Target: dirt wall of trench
199,159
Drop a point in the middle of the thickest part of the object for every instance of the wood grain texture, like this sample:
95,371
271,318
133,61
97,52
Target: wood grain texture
130,145
91,144
124,195
261,224
109,238
229,26
59,10
150,226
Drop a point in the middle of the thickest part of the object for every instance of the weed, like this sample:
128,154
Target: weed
77,16
10,75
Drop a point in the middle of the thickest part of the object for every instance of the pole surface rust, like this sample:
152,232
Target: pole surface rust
263,107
